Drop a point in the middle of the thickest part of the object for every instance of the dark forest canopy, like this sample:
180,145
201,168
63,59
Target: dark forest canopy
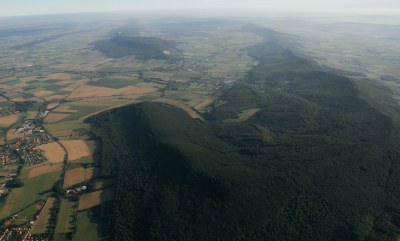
315,162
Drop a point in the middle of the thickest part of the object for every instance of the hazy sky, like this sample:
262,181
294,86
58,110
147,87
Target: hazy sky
33,7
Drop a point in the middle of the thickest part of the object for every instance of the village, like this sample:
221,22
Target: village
37,155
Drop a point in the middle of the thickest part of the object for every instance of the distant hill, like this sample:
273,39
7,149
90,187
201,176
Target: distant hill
143,48
312,160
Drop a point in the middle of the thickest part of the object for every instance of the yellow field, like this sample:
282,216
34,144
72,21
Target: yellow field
86,91
182,106
18,99
77,148
203,104
65,108
11,135
53,152
42,222
7,121
10,167
59,76
34,172
43,93
245,115
3,174
52,105
55,97
55,117
77,175
94,199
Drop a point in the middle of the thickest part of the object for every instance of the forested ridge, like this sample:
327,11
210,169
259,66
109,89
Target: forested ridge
315,161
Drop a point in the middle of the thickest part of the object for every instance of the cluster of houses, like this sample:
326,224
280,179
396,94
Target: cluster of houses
7,155
25,147
21,234
28,128
3,191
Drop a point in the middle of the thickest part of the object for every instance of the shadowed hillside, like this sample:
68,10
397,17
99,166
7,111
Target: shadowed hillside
143,48
312,161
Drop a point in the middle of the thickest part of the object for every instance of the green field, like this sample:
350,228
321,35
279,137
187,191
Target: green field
33,190
115,82
82,111
86,159
60,237
63,126
87,230
31,115
11,82
28,212
66,217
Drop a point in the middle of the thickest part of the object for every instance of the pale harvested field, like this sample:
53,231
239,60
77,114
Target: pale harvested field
246,115
55,117
182,106
53,152
77,175
94,199
53,105
37,171
19,99
2,141
29,78
55,97
203,104
3,174
141,90
10,167
43,93
59,76
77,148
2,99
7,121
86,91
11,135
42,222
68,89
65,108
21,85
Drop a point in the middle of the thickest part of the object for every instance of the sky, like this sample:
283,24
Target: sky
37,7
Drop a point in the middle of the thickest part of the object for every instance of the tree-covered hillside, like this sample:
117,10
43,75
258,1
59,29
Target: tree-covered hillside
143,48
313,160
